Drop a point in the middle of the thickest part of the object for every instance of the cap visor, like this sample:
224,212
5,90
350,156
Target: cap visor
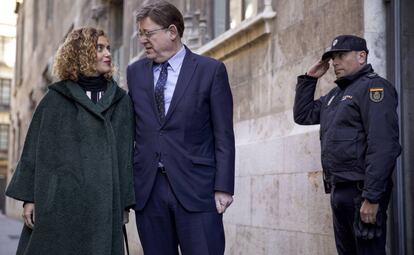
328,54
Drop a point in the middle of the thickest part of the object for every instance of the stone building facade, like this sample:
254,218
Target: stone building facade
280,206
7,53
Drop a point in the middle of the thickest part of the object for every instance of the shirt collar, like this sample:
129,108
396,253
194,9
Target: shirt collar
175,61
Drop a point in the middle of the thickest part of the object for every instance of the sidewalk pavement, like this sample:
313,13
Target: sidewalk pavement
9,235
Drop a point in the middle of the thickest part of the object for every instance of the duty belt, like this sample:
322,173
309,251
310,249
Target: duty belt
358,184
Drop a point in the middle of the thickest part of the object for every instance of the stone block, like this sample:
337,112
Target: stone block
290,154
230,231
298,243
261,95
240,210
302,153
292,202
264,128
261,57
266,201
283,86
263,157
291,12
265,241
248,241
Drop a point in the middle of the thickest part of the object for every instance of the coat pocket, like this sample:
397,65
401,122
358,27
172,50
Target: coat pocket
343,148
203,161
203,172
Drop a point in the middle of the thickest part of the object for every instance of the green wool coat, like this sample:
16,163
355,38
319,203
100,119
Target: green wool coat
76,166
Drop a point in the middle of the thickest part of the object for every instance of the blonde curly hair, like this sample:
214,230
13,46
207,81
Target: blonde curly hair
77,55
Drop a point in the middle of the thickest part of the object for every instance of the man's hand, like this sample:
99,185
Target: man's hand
29,214
368,212
319,68
223,201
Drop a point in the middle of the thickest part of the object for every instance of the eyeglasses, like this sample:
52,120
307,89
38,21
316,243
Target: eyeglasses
149,33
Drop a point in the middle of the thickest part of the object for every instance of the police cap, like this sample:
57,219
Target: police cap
346,43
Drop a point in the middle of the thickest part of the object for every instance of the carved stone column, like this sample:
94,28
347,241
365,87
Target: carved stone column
195,29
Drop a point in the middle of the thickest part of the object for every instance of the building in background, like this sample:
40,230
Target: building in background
7,57
280,206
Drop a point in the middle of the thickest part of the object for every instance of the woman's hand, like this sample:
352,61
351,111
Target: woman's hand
29,215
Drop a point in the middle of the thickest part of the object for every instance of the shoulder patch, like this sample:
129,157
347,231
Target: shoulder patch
376,94
372,75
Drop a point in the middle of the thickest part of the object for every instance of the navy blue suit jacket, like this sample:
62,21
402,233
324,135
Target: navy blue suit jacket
196,140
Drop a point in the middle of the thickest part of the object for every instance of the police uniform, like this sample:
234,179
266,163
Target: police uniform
359,137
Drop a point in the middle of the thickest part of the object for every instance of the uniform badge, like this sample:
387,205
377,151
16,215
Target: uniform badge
347,97
376,94
372,75
334,42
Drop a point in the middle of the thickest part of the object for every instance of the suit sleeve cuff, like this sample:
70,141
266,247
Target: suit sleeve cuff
221,189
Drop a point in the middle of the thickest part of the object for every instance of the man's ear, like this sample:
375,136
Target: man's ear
362,57
173,32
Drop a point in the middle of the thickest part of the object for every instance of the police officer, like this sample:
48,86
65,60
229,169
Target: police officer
359,142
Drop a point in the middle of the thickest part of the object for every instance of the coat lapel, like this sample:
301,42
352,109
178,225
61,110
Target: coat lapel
187,70
112,95
148,77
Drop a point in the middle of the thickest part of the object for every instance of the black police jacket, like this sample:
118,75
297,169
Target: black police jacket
358,128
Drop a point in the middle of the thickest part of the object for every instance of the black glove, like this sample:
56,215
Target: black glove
366,231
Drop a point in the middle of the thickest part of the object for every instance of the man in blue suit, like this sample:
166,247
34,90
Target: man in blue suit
184,153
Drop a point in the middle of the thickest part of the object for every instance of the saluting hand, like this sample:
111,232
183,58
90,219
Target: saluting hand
29,214
223,201
319,68
368,212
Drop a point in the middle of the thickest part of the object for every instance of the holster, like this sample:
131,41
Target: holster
326,182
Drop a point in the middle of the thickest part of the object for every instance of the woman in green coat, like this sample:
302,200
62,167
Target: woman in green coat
75,171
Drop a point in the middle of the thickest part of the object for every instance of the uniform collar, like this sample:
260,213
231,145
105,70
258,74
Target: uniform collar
347,80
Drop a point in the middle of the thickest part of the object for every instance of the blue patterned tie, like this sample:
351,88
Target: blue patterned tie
159,91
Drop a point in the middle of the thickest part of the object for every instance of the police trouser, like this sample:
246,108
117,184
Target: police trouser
343,196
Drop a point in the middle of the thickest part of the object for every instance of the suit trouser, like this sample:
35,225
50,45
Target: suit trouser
343,211
164,224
